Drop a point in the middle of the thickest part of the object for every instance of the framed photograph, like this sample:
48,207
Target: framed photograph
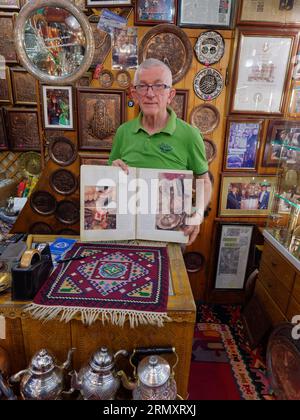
294,109
179,103
7,45
124,50
152,12
24,87
244,195
108,3
10,5
242,143
262,71
234,248
93,159
5,88
206,13
269,12
3,138
58,107
22,129
280,132
100,113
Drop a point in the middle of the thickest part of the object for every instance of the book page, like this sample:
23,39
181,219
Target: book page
164,201
105,192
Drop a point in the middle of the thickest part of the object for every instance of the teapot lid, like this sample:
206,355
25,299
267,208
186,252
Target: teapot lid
42,362
102,359
153,371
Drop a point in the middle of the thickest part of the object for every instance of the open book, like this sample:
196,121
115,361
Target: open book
149,204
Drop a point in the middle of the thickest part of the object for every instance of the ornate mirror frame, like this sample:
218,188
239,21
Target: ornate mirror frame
19,34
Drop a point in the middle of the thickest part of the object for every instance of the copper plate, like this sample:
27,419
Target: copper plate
123,78
208,84
169,44
210,150
67,212
194,261
106,78
67,232
30,162
43,202
205,117
209,48
41,228
62,151
63,181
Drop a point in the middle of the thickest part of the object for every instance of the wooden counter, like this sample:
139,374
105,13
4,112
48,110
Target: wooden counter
24,335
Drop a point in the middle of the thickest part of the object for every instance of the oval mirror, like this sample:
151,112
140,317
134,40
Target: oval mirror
54,41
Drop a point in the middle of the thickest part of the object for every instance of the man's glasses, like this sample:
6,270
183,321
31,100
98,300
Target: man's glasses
156,88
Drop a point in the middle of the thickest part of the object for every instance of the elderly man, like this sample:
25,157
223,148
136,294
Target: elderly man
157,138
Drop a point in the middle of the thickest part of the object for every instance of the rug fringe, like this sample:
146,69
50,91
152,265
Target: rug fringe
90,315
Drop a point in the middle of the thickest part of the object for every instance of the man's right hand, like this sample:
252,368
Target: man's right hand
119,163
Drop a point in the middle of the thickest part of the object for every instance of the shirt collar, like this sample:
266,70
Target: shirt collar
169,128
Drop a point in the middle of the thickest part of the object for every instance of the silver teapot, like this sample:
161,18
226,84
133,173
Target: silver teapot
43,380
98,380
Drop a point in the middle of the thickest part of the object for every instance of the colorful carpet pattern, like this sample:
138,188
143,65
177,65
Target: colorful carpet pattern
223,365
111,282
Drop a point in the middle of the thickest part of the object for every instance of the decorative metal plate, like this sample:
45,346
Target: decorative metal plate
43,202
63,181
123,78
30,162
106,78
41,228
210,149
205,117
169,44
208,84
67,212
62,151
67,232
194,261
209,48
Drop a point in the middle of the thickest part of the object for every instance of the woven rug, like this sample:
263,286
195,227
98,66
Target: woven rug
112,282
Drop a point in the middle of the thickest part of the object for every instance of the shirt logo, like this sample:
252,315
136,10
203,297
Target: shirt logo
164,147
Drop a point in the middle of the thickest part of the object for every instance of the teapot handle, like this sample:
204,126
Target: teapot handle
145,351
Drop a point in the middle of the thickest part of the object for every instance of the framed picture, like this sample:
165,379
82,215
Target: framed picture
269,12
244,195
5,88
22,129
24,87
10,4
280,132
206,13
179,103
94,159
294,109
100,113
3,138
242,143
152,12
58,107
7,45
234,248
262,71
108,3
124,50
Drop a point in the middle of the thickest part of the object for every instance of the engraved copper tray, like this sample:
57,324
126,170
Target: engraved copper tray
169,44
67,212
62,151
63,181
208,84
205,117
209,48
41,228
43,202
210,150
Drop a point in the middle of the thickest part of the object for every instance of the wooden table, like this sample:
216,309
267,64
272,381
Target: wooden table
24,335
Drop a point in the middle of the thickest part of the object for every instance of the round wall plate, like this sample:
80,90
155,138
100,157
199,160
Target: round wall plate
205,117
123,79
209,48
67,212
62,151
194,261
210,150
41,228
106,78
208,84
43,202
63,182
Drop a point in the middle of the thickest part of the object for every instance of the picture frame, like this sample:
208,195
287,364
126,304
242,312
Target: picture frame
234,249
94,159
206,14
153,12
124,49
10,4
245,195
23,87
3,137
7,45
108,3
6,96
261,87
100,113
280,131
180,103
57,104
243,137
22,129
269,13
294,108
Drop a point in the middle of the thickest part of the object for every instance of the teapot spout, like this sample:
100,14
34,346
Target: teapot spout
131,385
67,363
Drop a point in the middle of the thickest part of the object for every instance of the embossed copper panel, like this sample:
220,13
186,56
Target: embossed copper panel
3,140
7,46
62,151
169,44
41,228
22,129
67,212
210,149
205,117
63,181
43,202
208,84
102,45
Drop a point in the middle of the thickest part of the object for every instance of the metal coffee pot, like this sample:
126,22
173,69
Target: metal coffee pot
43,380
154,378
99,380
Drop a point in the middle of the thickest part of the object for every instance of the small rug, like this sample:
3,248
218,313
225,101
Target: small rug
111,282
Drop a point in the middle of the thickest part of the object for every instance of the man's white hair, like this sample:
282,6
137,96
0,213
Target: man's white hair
149,64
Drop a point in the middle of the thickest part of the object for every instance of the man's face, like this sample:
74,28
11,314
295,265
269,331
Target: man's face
151,103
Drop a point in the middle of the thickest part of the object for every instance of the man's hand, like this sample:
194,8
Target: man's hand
120,164
192,227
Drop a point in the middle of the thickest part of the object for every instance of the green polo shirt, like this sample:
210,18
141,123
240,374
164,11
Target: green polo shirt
177,146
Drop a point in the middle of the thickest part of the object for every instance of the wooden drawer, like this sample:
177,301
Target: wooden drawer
296,290
267,302
293,309
274,287
279,266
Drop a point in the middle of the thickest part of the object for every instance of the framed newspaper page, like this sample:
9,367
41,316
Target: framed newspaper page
206,13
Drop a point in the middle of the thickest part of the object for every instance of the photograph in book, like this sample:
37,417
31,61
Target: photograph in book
100,207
